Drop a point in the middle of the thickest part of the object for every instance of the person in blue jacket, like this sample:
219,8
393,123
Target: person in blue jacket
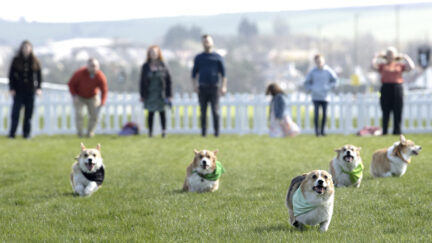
319,81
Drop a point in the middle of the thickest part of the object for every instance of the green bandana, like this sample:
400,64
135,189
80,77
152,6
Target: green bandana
216,173
300,205
354,174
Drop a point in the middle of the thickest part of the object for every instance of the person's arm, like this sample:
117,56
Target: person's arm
168,85
279,106
374,64
39,81
73,89
104,88
195,75
409,64
143,83
12,81
333,78
223,76
308,81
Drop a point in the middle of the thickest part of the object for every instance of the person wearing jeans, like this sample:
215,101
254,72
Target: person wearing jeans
319,81
391,66
208,69
24,82
84,86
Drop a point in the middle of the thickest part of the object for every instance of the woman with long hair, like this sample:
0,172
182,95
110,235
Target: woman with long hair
155,87
391,65
281,124
25,80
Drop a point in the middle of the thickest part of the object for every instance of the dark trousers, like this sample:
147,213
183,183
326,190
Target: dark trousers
391,100
150,121
209,94
317,105
26,100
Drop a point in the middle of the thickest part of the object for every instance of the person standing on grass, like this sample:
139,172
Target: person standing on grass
207,72
155,87
25,80
319,81
391,66
84,86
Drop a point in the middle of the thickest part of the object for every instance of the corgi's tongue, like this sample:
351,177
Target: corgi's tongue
318,189
349,158
89,166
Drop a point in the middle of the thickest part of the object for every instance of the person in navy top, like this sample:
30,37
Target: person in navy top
209,81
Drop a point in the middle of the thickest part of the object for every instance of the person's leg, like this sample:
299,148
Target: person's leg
214,102
93,106
150,123
79,114
203,100
16,107
324,117
316,116
28,112
385,103
163,122
397,109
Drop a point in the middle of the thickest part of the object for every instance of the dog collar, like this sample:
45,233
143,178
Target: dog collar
214,175
97,177
355,174
300,205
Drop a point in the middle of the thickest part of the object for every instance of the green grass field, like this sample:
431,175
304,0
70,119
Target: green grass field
141,201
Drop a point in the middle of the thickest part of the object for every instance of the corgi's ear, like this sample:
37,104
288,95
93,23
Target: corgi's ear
216,151
98,147
196,151
359,149
338,150
402,139
82,146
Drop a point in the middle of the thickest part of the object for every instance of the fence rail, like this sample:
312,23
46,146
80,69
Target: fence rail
240,113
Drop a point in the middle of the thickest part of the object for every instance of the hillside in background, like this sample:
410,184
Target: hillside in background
379,21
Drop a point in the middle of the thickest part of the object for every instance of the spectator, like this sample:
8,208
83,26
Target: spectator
84,87
207,72
155,87
281,124
25,80
319,81
391,66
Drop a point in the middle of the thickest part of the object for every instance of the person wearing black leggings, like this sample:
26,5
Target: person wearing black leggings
155,87
391,66
319,81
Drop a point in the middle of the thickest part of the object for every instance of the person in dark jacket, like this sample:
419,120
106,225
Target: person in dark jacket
155,87
209,81
25,80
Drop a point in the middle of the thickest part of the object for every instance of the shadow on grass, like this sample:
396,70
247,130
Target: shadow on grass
277,227
177,191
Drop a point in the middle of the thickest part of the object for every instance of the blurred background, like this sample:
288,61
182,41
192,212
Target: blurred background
264,44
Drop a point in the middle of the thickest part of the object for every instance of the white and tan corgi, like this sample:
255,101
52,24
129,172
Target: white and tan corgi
310,200
202,175
88,172
394,160
347,167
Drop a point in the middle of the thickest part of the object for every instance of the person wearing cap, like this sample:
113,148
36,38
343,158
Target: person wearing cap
391,65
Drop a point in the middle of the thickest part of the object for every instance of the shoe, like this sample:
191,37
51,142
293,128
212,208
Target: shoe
163,134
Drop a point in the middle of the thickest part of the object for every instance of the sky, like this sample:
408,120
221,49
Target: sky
53,11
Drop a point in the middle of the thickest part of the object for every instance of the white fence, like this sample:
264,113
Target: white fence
240,113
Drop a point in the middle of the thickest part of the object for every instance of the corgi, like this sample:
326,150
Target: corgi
202,175
88,172
394,160
347,167
310,200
